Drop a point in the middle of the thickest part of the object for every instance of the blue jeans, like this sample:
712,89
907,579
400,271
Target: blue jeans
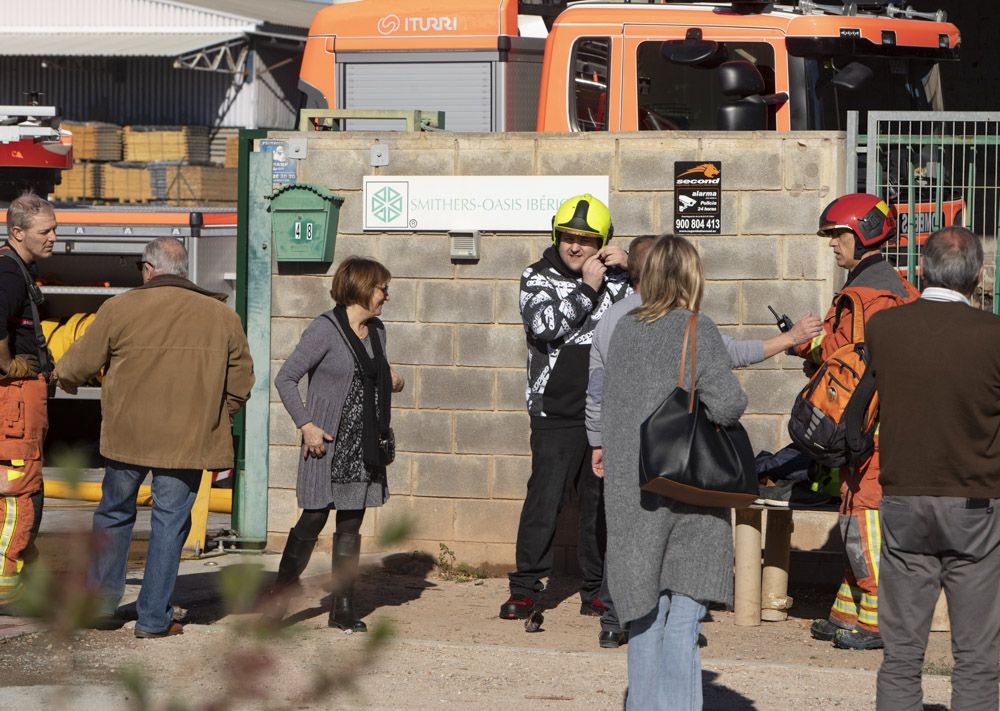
174,492
664,661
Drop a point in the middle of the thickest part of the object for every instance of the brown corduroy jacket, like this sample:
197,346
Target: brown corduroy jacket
178,368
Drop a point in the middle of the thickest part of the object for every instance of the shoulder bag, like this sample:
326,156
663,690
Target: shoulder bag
685,457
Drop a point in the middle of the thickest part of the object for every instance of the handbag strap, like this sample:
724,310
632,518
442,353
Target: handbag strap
690,331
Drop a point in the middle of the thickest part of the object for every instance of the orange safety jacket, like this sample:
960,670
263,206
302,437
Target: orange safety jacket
879,287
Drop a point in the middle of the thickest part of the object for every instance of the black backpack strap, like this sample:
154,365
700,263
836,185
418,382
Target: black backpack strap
856,428
35,298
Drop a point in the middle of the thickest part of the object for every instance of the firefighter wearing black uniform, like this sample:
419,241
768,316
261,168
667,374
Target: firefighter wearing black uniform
24,362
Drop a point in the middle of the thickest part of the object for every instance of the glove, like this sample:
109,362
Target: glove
22,366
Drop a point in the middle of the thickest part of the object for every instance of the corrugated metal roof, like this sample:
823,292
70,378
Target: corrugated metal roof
109,44
107,14
290,13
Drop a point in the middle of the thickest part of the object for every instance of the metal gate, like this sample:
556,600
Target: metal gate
938,168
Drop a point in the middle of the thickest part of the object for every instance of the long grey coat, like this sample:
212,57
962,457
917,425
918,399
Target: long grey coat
655,544
324,355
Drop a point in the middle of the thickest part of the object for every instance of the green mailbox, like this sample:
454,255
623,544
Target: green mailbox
304,223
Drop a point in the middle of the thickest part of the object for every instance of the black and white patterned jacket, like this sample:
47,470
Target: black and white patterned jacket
559,313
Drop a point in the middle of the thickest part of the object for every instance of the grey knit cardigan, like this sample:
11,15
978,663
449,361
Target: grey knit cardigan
324,355
655,544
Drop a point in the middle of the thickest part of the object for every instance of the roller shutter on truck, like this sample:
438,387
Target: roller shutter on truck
464,91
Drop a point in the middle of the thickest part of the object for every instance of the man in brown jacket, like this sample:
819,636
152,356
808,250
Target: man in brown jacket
178,369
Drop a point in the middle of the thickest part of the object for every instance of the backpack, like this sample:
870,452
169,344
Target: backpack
835,416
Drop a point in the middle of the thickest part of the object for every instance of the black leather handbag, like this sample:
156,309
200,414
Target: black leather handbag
685,457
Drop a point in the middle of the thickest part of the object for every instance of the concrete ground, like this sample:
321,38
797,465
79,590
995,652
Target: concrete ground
447,650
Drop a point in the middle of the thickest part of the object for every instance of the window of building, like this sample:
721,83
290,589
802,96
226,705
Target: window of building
589,90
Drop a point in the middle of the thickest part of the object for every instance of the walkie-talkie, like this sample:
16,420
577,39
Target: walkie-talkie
784,325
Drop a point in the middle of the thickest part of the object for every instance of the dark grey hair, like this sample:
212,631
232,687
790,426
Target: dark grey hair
953,257
167,256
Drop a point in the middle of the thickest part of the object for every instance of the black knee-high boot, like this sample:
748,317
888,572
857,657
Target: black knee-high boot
346,552
294,559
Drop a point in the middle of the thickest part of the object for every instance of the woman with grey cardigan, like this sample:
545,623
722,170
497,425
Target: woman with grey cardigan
344,425
666,560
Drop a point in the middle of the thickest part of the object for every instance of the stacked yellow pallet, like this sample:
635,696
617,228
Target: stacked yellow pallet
232,159
200,183
172,143
95,141
84,181
128,183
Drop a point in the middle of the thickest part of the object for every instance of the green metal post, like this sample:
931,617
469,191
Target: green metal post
970,199
250,515
996,271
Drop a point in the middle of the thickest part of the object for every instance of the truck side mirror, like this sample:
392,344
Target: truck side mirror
738,77
692,50
749,114
853,76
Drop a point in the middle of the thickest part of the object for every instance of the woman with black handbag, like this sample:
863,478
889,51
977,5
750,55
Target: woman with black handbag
346,439
667,561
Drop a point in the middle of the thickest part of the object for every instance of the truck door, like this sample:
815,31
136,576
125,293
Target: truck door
660,95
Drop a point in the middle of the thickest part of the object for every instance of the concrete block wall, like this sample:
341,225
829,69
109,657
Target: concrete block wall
454,330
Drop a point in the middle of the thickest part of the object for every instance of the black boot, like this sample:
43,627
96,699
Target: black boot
346,551
294,560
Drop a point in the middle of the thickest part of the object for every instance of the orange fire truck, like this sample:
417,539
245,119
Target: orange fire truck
627,66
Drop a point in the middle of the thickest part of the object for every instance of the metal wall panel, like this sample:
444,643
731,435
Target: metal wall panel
150,91
112,13
463,90
521,84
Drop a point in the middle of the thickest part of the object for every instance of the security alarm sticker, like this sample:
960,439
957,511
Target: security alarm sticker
697,197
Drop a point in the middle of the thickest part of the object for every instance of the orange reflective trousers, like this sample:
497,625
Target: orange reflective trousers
23,424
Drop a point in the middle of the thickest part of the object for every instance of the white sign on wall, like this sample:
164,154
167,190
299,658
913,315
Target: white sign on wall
509,203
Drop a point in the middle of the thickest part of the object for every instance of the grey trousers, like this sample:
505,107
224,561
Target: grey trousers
929,542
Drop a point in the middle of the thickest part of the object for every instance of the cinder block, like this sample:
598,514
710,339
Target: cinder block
647,165
282,510
803,257
334,169
511,387
500,258
423,160
456,388
508,308
283,466
502,157
492,432
740,257
770,392
576,155
420,255
499,346
422,431
813,163
399,475
420,343
402,305
780,213
282,429
510,477
408,398
763,431
434,519
285,335
456,302
816,530
488,521
300,296
790,297
632,214
351,212
729,209
722,302
452,476
747,164
363,245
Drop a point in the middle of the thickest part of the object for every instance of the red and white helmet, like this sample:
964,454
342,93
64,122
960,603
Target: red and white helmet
869,217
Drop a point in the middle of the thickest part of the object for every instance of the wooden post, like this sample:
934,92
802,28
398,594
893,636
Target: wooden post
774,581
747,588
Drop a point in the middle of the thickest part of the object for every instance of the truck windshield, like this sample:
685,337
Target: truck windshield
880,84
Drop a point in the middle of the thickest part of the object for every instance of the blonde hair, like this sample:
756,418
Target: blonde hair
672,278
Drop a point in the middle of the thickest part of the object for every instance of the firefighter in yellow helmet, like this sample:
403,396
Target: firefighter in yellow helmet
563,295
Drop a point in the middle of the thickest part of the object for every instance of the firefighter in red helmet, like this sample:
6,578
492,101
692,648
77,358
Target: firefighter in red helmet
856,226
